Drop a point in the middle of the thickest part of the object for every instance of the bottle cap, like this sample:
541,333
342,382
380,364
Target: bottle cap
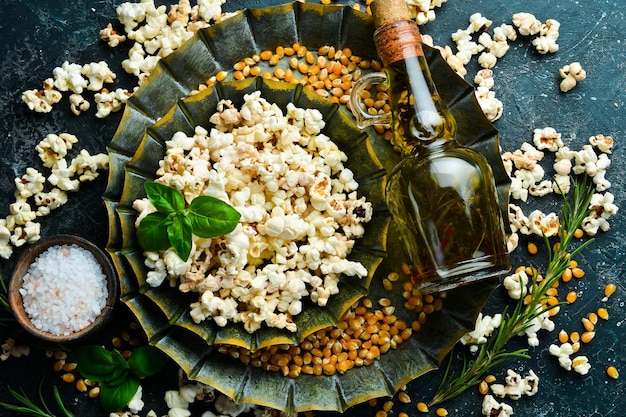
389,11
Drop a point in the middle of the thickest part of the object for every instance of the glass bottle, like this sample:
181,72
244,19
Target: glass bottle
442,195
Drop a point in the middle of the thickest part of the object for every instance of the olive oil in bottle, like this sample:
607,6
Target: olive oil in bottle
442,195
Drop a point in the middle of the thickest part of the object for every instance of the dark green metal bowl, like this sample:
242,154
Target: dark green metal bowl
159,108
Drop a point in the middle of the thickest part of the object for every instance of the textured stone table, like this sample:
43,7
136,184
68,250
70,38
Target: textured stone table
37,36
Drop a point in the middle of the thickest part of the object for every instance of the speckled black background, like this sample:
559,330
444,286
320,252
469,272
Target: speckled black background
37,36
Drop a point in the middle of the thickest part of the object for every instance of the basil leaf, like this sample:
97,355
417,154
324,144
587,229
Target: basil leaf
116,397
211,217
94,362
146,361
164,198
152,232
180,235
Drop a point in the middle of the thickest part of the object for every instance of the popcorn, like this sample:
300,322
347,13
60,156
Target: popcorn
546,41
547,138
69,77
41,101
527,23
54,147
485,326
300,214
97,73
571,74
108,102
492,408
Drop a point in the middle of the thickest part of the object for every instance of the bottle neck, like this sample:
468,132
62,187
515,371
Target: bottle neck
421,121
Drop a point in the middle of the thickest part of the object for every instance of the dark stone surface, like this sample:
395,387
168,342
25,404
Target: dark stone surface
38,36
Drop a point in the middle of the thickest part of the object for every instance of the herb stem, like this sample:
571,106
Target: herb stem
494,351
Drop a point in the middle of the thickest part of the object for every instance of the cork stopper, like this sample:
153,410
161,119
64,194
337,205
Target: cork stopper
389,11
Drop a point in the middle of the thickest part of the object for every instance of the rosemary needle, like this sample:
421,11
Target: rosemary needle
494,351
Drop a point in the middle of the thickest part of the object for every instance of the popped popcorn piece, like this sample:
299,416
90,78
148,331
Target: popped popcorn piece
516,386
111,36
546,41
571,74
54,147
98,73
10,348
542,224
135,404
78,104
29,184
490,105
41,101
300,214
547,138
109,102
602,209
492,408
603,143
516,284
581,365
563,353
485,325
540,322
69,77
527,23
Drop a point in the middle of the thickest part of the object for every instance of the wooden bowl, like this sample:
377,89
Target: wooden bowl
22,266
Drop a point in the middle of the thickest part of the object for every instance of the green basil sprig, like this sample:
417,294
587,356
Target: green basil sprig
119,378
174,223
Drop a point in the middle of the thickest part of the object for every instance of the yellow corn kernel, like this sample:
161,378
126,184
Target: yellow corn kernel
574,337
483,388
593,318
68,377
404,398
575,347
578,273
563,336
567,275
612,372
609,290
587,324
573,263
490,378
571,297
532,248
578,233
387,406
422,407
603,313
441,412
587,337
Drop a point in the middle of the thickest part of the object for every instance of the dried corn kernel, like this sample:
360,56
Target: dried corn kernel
563,337
483,388
404,398
609,290
441,412
587,337
578,273
603,313
422,407
571,297
587,324
532,248
612,372
490,378
593,318
574,337
578,233
567,275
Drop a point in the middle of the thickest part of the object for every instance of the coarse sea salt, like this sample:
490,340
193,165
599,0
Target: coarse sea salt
64,290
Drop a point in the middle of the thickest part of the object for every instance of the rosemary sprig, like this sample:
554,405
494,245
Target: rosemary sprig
494,351
6,317
27,407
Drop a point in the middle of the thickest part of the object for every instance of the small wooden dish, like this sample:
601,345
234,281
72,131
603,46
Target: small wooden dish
24,263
